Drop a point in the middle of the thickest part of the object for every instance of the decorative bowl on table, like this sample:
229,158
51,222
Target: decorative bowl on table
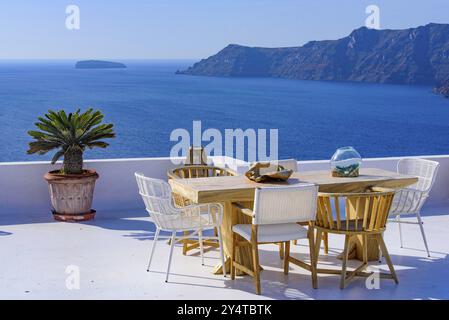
274,173
346,162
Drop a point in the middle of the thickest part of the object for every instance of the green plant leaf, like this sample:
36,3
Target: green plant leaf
76,130
57,156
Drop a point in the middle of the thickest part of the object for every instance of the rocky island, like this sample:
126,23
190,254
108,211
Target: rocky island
98,64
411,56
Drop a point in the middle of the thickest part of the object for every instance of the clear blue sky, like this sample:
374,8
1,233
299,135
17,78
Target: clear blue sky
190,28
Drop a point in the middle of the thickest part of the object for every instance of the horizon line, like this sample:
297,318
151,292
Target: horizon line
102,59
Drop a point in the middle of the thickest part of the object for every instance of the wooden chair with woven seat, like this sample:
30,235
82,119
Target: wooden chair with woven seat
191,172
276,218
289,164
362,215
198,171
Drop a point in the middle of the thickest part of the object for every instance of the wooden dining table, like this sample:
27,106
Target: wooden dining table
229,189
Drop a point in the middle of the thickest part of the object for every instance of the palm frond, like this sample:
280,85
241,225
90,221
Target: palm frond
59,130
41,147
99,144
57,156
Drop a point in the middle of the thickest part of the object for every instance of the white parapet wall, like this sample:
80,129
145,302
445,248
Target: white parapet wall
24,193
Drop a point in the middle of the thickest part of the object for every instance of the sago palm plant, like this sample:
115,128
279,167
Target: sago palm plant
71,134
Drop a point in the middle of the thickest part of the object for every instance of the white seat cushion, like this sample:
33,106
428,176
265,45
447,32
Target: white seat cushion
272,232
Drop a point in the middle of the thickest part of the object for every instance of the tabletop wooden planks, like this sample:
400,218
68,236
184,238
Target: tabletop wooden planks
239,188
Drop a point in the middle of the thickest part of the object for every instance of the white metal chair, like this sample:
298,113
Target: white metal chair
275,217
157,196
409,201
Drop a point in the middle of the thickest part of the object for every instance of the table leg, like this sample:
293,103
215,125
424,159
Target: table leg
356,242
243,254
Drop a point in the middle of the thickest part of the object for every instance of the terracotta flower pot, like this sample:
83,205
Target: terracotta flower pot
71,195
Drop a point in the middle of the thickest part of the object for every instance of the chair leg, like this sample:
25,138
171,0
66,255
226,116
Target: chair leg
398,220
156,237
326,243
295,242
200,239
256,266
312,259
422,232
380,250
381,242
281,250
184,245
286,256
365,248
234,245
319,235
345,261
220,243
172,245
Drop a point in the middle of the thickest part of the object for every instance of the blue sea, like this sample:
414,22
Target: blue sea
148,100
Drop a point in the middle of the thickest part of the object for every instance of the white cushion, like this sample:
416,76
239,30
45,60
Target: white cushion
272,232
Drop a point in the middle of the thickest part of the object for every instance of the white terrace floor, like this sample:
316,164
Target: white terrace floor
112,256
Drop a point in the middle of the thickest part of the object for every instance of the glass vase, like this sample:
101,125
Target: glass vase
346,162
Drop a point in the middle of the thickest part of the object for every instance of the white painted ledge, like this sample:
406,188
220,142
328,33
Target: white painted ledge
24,193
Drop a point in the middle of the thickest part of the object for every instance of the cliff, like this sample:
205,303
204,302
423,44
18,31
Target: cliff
412,56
